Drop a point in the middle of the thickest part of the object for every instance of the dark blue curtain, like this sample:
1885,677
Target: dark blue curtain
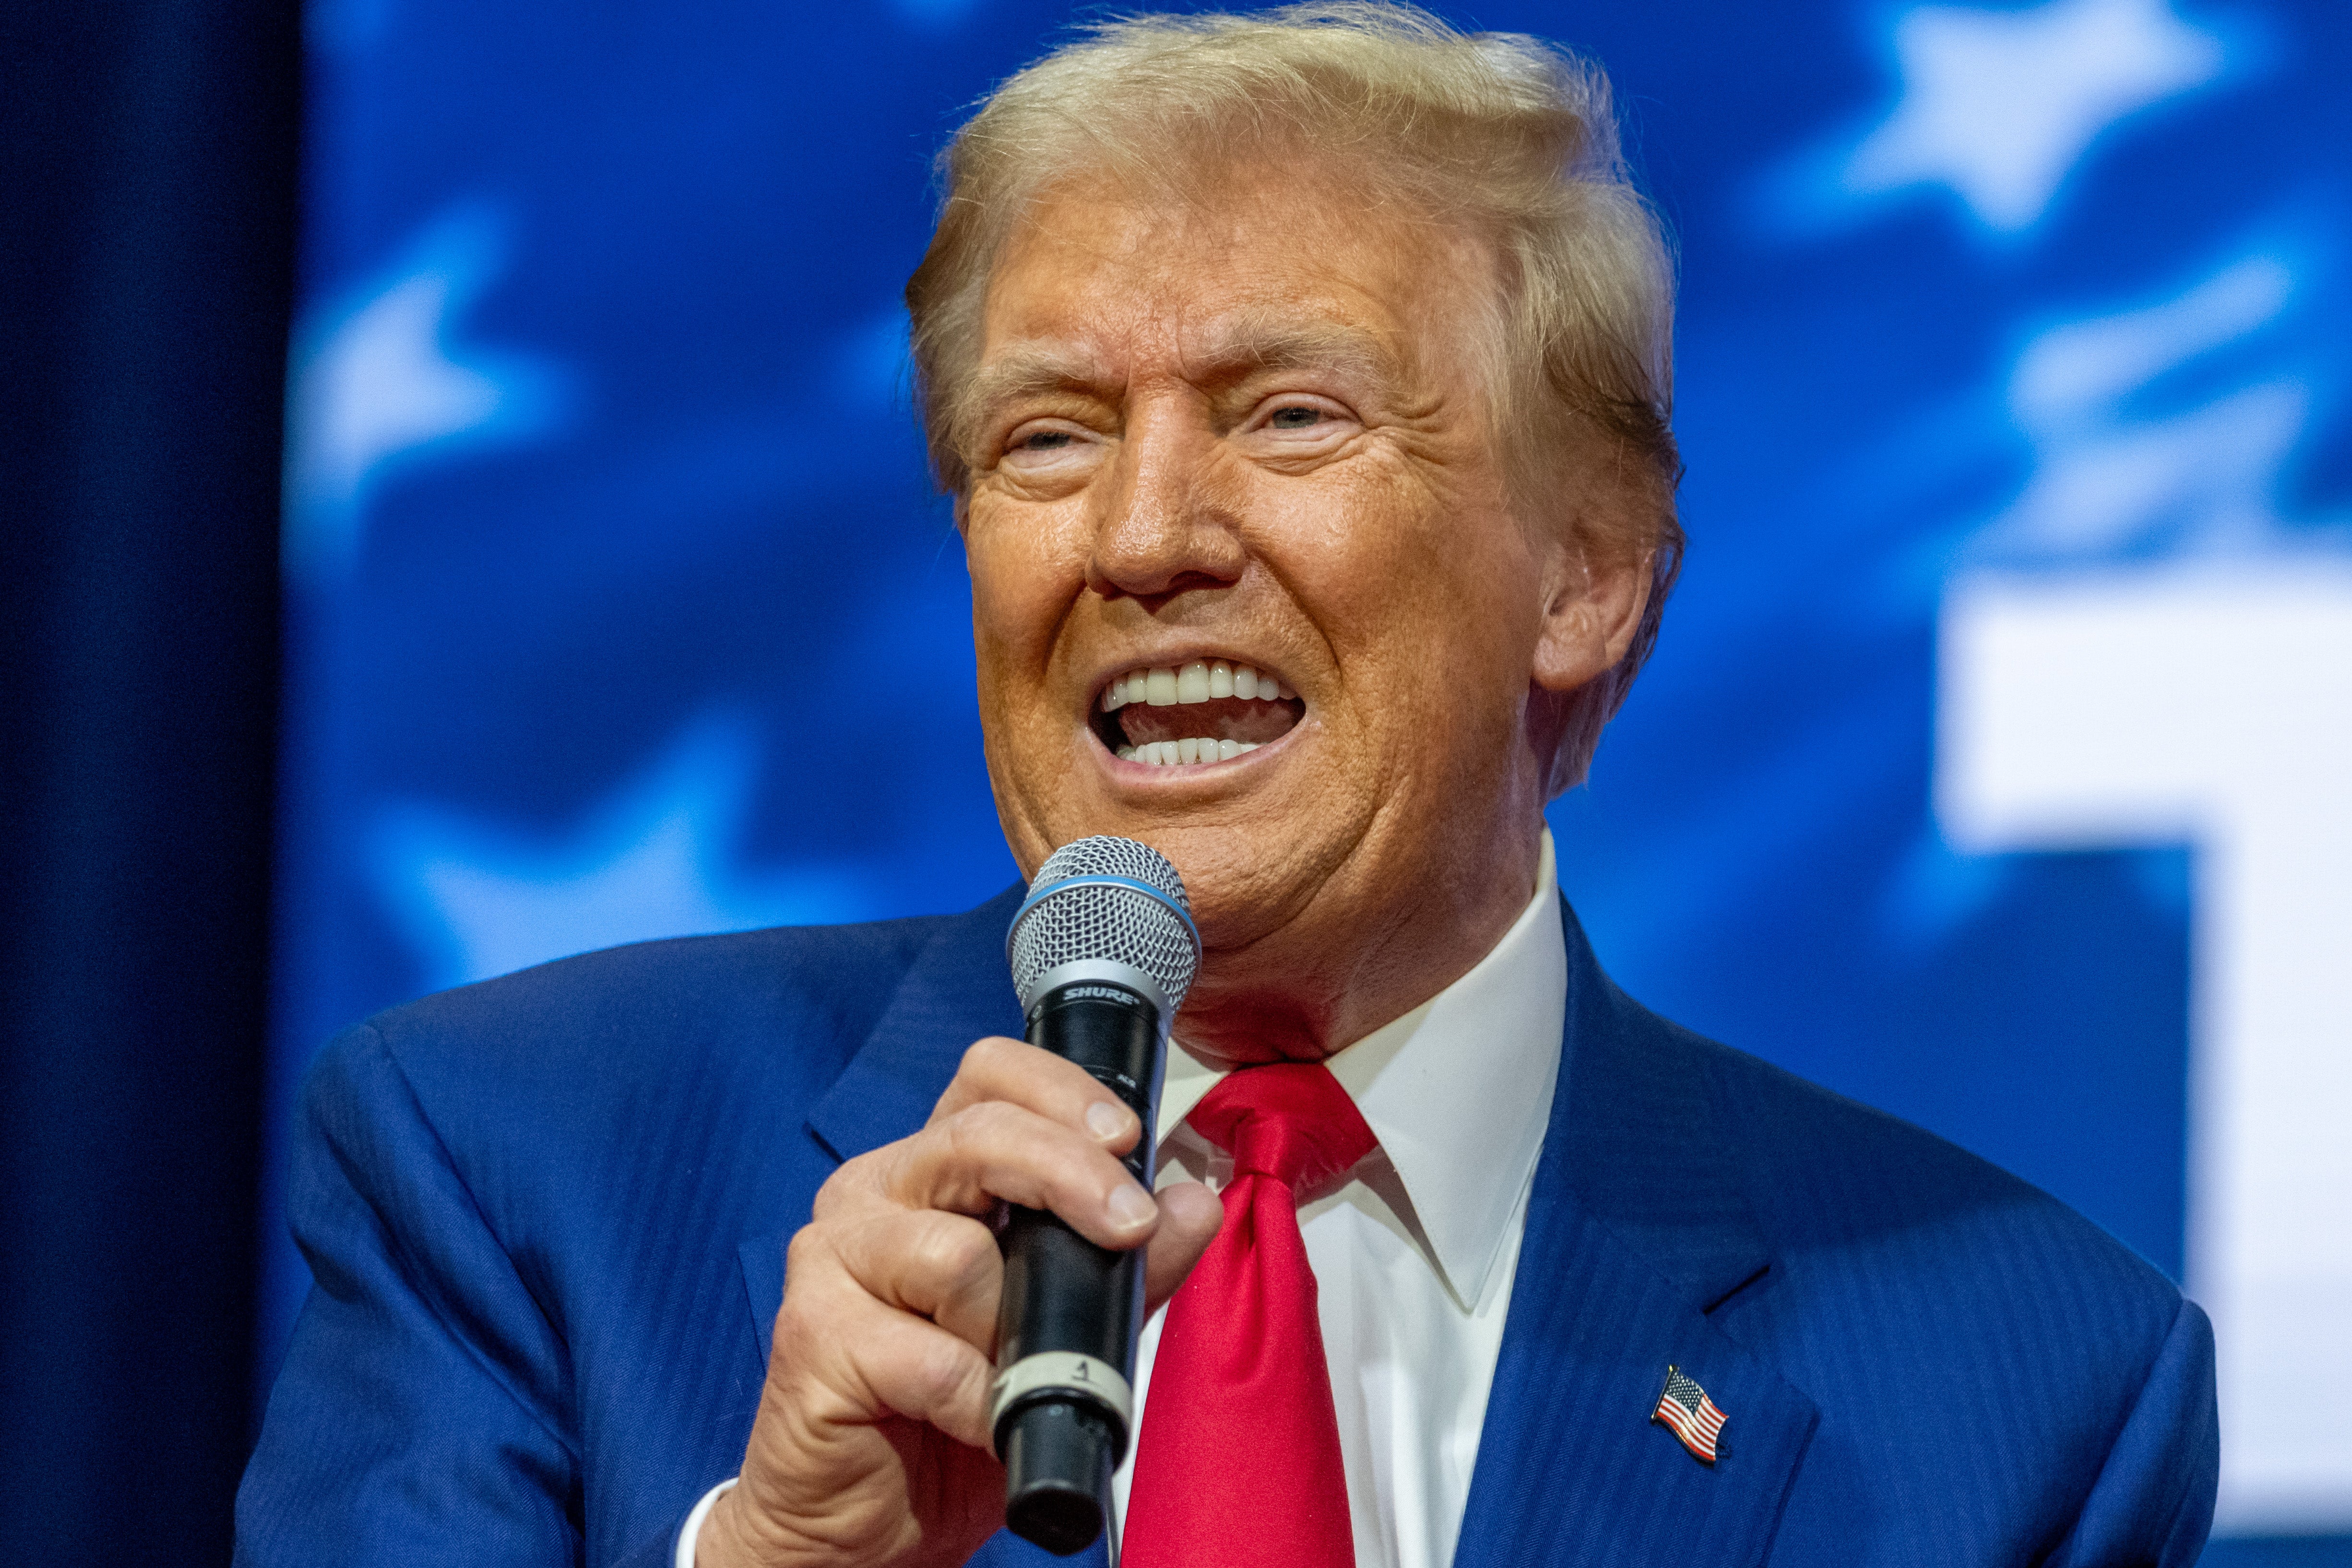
146,264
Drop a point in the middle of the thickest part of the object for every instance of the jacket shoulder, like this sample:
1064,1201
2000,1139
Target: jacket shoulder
1919,1246
546,1068
1837,1171
799,986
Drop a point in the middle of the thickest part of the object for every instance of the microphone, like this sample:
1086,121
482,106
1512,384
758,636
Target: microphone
1102,951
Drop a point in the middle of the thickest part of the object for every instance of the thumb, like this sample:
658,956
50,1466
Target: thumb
1189,1216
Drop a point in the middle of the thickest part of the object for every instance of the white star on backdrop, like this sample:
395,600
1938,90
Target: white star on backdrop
2118,477
1999,105
2113,478
654,858
383,382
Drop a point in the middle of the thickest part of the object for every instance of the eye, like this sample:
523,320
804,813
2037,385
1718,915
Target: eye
1043,445
1298,424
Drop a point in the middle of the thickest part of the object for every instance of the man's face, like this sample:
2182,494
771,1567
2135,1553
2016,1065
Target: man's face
1253,434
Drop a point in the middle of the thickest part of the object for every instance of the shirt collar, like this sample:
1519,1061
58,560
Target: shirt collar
1458,1091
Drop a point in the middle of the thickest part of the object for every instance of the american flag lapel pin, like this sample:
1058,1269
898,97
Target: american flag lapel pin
1684,1406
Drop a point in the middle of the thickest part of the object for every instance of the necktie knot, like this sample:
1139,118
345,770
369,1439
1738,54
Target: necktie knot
1289,1120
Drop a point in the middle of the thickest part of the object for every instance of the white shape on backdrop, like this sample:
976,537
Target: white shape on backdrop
2178,669
659,857
385,380
1998,105
2214,706
2112,479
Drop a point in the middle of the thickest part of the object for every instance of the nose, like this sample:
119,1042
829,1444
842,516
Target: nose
1162,529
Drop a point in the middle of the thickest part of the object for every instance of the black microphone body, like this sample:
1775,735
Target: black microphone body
1102,952
1065,1296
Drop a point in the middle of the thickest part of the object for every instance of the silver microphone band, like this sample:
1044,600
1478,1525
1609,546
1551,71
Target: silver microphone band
1066,1373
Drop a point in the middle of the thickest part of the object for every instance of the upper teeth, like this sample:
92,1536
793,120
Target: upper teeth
1164,686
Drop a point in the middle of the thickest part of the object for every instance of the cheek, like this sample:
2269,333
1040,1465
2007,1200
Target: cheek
1021,584
1389,564
1350,551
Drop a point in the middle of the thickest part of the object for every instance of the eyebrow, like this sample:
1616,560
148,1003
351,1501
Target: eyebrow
1024,371
1243,345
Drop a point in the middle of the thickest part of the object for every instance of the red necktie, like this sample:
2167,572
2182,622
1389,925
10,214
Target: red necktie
1238,1462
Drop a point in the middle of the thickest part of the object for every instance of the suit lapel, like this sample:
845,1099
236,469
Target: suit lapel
1637,1230
956,991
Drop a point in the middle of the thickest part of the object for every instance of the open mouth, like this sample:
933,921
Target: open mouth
1209,710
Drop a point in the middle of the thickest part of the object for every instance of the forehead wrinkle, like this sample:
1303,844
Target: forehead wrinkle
1251,342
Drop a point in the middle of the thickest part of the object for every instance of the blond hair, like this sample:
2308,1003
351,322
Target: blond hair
1507,136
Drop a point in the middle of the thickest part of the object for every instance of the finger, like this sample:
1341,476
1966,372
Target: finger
944,1267
995,1150
1060,1091
856,1360
1189,1216
920,1370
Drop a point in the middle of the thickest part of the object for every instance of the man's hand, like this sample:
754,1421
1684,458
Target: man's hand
871,1446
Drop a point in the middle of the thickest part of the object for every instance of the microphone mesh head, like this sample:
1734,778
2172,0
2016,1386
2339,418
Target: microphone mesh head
1151,932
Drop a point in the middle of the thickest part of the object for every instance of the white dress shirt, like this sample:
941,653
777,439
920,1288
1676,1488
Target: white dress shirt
1413,1256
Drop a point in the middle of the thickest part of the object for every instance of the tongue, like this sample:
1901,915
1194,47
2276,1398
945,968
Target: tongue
1219,719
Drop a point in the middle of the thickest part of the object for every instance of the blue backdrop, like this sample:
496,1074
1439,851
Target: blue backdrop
2014,351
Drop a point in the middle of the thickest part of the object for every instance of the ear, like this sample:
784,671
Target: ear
1592,608
964,513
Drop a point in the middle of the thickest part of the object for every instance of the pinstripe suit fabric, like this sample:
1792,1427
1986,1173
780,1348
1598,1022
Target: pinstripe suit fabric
547,1215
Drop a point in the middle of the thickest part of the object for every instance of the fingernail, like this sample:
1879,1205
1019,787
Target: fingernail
1106,1120
1131,1207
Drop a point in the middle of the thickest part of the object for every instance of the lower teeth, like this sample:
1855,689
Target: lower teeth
1175,753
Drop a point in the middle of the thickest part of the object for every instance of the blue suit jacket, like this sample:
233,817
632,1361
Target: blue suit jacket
547,1218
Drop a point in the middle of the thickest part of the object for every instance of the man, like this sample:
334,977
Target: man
1301,383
